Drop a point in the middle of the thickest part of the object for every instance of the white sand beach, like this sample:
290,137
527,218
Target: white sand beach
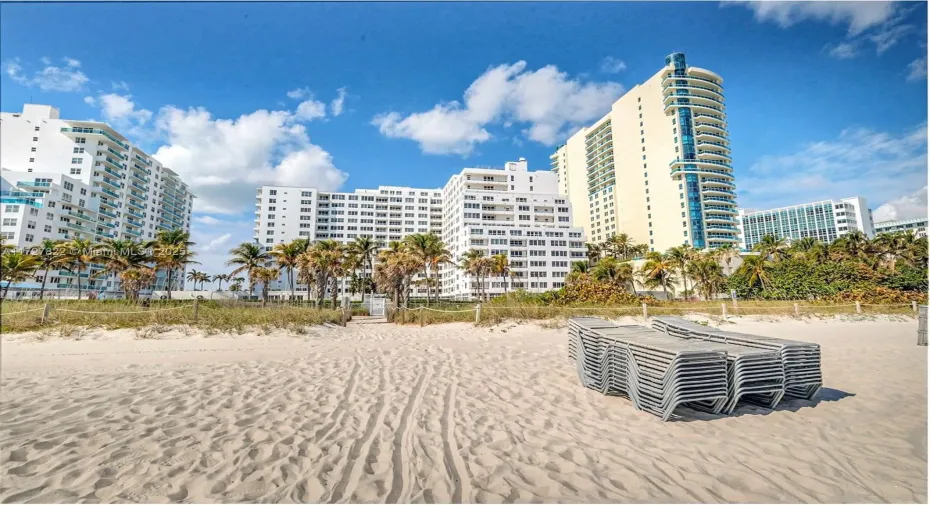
447,413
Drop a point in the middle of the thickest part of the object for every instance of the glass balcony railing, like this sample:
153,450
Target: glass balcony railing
701,170
711,189
685,94
718,153
111,182
134,222
134,213
108,225
107,213
93,131
719,199
86,217
20,201
113,172
134,233
143,188
723,182
133,203
712,125
114,194
709,143
719,208
141,169
79,227
673,77
116,153
143,160
678,161
691,86
23,194
140,177
137,194
34,184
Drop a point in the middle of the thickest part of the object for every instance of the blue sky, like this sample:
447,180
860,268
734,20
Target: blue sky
824,100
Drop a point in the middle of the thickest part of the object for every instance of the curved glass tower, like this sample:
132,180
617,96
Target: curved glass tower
694,97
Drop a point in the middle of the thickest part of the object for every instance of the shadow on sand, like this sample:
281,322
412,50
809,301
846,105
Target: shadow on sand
787,404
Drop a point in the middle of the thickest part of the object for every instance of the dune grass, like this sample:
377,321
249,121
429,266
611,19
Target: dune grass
214,316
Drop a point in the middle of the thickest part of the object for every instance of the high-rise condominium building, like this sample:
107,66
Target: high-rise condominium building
917,226
514,212
656,167
65,179
386,214
825,221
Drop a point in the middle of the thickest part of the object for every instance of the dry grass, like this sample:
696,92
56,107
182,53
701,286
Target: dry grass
492,313
70,317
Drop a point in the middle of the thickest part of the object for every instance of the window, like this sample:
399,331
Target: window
34,149
273,192
35,139
80,140
9,221
29,238
31,160
37,128
77,150
68,186
75,171
47,229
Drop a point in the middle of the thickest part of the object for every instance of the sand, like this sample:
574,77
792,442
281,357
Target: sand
448,413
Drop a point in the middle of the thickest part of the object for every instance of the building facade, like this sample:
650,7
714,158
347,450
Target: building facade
65,179
917,226
386,214
826,221
514,212
675,186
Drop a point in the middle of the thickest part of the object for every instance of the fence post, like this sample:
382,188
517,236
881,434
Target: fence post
645,311
196,309
422,315
858,307
477,313
797,310
48,309
343,316
914,306
723,310
735,307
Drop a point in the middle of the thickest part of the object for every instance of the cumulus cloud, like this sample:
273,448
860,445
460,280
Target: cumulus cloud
336,105
208,220
547,101
611,65
880,23
299,93
311,109
216,243
67,77
225,159
878,165
917,69
904,207
120,86
214,240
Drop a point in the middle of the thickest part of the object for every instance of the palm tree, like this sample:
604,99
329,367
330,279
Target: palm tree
285,255
593,253
16,266
471,264
235,288
500,267
247,257
120,255
727,252
134,280
364,249
894,246
579,268
772,247
194,276
707,275
680,257
48,257
620,246
430,251
76,254
265,276
756,268
220,279
172,251
324,260
658,270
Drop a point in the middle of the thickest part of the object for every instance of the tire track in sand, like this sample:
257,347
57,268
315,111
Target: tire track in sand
344,404
455,465
349,480
401,455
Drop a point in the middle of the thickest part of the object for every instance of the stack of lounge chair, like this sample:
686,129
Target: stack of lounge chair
679,363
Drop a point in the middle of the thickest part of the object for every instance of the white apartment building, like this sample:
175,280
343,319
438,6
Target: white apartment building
514,212
917,226
386,214
675,186
825,220
84,179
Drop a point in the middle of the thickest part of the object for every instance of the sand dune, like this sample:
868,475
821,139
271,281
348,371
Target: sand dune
450,413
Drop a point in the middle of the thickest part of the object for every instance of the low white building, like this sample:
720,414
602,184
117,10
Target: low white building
917,226
514,212
386,214
825,220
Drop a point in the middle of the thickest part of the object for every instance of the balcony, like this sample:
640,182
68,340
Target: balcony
108,192
671,97
701,171
135,166
695,106
137,194
137,185
85,217
134,213
719,219
20,201
686,163
133,203
717,182
112,205
33,184
692,86
107,213
79,227
143,160
711,144
721,237
134,222
108,225
720,208
112,172
713,155
133,233
140,177
23,194
720,199
713,118
92,131
713,127
713,190
692,78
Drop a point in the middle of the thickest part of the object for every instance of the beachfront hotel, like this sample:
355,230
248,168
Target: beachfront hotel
514,212
657,166
386,214
825,220
66,179
917,226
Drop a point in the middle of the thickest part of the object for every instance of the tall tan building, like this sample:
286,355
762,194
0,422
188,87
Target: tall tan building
657,167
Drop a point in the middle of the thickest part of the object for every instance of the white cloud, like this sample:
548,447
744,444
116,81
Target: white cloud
311,109
299,93
216,243
917,69
225,159
336,105
45,60
881,23
120,86
860,162
207,220
548,102
121,107
859,16
843,50
905,207
51,77
89,100
611,65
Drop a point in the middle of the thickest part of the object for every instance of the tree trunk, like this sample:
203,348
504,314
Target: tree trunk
80,270
168,287
44,280
290,277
